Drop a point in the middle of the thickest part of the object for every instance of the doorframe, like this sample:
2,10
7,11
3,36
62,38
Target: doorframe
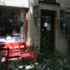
26,18
55,16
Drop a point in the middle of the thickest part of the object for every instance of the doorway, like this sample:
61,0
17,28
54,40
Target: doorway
47,31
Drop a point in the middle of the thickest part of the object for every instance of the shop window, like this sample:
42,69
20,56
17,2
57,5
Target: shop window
12,22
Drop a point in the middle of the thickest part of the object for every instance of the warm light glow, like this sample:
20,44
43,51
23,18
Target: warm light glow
27,16
36,63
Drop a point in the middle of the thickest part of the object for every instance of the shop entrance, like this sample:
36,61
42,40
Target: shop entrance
47,31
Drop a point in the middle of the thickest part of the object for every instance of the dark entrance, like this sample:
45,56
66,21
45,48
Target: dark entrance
47,31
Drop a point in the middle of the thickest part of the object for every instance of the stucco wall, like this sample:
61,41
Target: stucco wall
33,29
62,43
64,3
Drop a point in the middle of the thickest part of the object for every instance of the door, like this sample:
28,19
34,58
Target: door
47,31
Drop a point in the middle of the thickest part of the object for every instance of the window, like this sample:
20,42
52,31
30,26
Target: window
12,22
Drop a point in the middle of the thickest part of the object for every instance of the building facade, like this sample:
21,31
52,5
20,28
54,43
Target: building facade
36,28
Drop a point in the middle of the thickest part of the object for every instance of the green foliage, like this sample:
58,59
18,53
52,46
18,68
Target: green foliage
60,63
50,62
47,48
46,43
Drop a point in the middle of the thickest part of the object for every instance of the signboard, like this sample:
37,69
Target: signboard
47,1
18,3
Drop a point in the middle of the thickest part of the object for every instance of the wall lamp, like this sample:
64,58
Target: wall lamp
62,19
37,11
37,15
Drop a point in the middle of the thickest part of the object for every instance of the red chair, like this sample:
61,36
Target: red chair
18,50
